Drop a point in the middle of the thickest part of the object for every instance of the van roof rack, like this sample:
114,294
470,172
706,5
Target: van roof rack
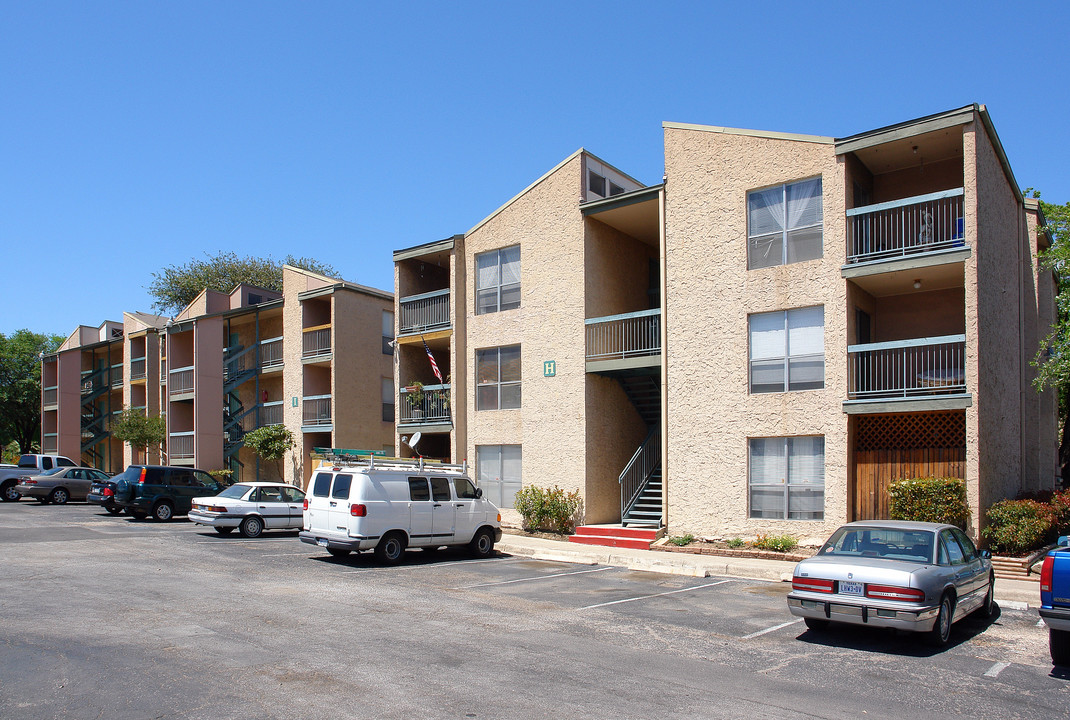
356,458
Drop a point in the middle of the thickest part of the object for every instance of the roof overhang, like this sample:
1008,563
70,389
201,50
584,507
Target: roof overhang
637,213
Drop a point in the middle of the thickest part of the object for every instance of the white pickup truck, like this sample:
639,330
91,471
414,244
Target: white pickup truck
29,465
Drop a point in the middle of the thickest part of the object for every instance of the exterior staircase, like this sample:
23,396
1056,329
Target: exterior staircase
646,510
616,536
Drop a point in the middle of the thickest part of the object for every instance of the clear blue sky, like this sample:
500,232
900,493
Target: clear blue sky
136,135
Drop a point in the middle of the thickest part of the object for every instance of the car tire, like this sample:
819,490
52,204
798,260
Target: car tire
9,493
59,496
251,527
139,514
482,545
1059,646
988,607
338,552
815,624
941,631
390,549
113,509
224,530
163,511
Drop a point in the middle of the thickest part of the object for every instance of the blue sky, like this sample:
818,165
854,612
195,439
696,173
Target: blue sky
137,135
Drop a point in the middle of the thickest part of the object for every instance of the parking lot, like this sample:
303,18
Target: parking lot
109,617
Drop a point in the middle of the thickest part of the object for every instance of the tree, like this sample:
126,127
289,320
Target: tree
271,443
176,286
133,426
20,386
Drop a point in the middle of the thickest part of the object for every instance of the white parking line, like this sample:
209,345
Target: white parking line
769,630
996,669
228,541
304,554
433,565
533,578
644,597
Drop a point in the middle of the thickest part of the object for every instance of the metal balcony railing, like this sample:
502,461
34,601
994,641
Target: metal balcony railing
116,375
181,381
432,408
137,368
316,342
94,380
316,411
50,396
50,443
616,337
180,446
271,413
423,313
903,227
907,368
163,371
271,353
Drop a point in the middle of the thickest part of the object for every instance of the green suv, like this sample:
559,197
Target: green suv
162,491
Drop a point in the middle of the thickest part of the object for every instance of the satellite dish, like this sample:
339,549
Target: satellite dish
411,442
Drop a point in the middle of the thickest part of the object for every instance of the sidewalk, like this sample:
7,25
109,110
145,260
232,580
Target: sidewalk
1010,594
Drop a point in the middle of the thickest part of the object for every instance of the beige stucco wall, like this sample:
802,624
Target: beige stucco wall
710,293
359,367
69,402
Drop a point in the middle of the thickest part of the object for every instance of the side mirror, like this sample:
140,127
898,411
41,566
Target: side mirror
1064,541
986,554
479,494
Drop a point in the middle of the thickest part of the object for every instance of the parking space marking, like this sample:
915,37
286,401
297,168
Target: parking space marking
645,597
244,542
996,669
435,565
532,579
772,629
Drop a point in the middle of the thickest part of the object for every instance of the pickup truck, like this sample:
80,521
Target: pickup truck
29,465
1055,600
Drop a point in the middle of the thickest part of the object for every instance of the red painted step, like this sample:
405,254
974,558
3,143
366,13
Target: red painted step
604,541
614,536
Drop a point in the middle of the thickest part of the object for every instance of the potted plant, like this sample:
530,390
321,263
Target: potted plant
415,397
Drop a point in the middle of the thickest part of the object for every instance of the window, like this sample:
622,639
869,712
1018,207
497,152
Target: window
465,489
440,489
418,491
498,472
498,280
786,478
784,224
292,495
787,350
596,183
388,332
342,484
321,485
388,399
498,378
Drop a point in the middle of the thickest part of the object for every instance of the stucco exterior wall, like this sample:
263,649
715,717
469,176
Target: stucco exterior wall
208,383
69,404
294,282
359,367
710,294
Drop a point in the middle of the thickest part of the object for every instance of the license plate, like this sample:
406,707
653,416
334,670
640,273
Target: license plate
850,588
322,542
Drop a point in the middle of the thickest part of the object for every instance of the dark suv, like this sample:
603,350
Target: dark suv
162,491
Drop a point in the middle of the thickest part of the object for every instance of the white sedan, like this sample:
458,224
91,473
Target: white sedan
252,507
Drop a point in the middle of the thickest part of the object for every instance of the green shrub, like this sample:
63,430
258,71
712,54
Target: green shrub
941,500
1017,526
736,543
547,509
777,543
681,540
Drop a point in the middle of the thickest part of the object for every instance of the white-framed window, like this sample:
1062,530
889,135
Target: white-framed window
498,280
786,477
784,224
388,332
498,472
498,378
787,350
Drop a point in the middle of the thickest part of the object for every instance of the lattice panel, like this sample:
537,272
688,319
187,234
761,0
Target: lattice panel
911,431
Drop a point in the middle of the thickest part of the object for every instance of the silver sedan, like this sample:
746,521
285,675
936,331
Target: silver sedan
912,576
61,484
251,507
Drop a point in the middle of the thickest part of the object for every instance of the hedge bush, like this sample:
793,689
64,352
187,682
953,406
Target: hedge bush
550,509
1017,526
932,499
777,543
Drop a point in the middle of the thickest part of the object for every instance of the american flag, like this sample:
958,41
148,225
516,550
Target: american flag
434,365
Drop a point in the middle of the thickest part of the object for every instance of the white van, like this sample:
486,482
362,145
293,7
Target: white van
392,504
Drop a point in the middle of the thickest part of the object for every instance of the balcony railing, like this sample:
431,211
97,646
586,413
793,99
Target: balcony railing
271,413
50,396
617,337
50,443
94,380
181,381
422,313
116,375
163,371
432,408
180,446
137,369
904,227
316,411
907,368
316,342
271,353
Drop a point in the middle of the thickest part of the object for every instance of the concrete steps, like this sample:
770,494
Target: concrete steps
615,536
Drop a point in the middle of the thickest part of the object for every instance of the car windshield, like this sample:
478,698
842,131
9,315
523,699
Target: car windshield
234,491
890,543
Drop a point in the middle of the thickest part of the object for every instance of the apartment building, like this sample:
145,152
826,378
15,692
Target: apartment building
315,357
761,343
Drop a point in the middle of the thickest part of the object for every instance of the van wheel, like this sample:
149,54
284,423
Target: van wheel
482,545
251,527
390,549
1059,646
163,511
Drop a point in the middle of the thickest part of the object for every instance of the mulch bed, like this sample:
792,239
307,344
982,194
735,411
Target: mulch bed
700,547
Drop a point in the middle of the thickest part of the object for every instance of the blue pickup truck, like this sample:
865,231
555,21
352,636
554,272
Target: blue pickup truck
1055,600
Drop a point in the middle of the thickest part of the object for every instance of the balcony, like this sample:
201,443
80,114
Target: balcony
50,443
316,412
180,446
316,343
50,396
907,369
137,369
901,228
271,353
623,342
271,413
424,313
116,375
181,382
429,406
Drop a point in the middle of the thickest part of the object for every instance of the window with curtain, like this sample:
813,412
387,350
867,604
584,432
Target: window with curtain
498,280
498,378
498,472
388,399
786,478
787,350
784,224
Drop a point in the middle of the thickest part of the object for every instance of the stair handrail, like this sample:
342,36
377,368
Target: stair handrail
639,469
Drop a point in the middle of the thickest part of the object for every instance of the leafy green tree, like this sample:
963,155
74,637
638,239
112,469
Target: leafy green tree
271,443
175,287
133,426
20,386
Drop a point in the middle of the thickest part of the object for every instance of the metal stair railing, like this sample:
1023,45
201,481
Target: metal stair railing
639,469
236,369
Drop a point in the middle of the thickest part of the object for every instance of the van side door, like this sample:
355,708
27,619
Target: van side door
442,510
421,512
468,510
